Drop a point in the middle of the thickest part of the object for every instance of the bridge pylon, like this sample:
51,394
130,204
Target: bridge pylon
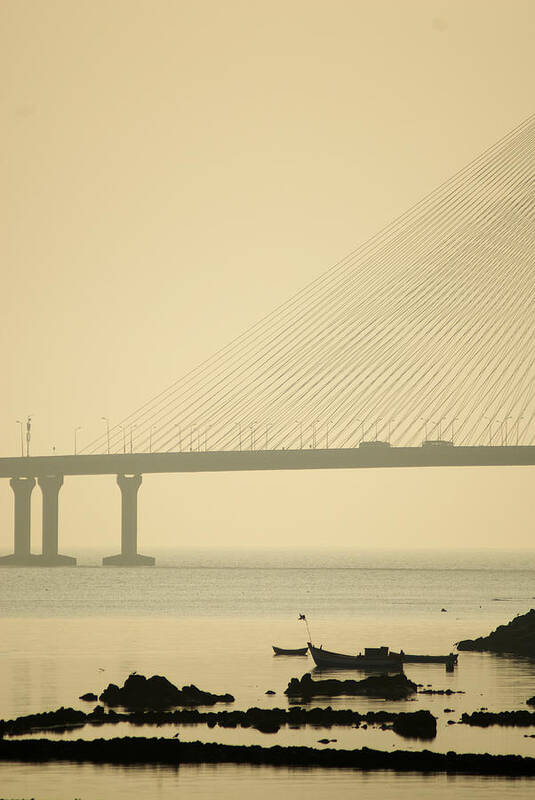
50,486
128,557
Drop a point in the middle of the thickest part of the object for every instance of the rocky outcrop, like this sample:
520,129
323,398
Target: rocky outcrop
89,697
517,637
418,725
388,687
506,719
156,693
138,750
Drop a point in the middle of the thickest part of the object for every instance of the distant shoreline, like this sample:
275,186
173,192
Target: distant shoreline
171,752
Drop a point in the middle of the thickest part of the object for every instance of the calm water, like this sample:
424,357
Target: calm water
211,619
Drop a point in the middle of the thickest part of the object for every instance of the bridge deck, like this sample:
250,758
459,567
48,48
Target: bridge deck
249,460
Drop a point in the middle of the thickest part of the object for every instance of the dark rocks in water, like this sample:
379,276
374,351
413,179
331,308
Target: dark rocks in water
157,692
517,637
270,691
531,701
139,750
389,687
441,691
90,697
418,725
505,719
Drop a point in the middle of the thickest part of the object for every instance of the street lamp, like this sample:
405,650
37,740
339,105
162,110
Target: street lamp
79,428
451,423
313,426
28,435
106,420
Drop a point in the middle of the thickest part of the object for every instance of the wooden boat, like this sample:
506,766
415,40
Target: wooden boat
375,658
451,658
372,658
280,651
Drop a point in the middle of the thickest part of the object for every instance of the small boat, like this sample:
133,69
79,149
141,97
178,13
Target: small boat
280,651
376,658
373,658
451,658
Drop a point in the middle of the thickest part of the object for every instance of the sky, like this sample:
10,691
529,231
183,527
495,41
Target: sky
170,173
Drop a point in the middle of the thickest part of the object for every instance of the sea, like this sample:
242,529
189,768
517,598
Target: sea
210,617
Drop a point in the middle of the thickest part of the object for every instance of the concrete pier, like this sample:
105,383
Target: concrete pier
50,486
22,556
128,557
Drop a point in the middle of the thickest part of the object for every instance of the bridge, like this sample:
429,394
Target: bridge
416,350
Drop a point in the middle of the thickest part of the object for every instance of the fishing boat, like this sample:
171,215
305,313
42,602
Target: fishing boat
376,658
280,651
372,658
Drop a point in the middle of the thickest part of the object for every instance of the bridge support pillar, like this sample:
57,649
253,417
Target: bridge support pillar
128,557
22,556
50,486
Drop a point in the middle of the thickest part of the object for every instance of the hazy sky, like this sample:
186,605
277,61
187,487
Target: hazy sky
171,171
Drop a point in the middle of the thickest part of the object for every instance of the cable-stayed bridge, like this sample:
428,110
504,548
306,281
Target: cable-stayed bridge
414,350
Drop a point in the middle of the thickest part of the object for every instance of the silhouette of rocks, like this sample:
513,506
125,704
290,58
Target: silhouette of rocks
157,692
441,691
418,725
484,719
389,687
89,697
517,637
531,701
265,720
138,750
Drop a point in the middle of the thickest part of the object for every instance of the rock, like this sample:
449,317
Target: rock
270,691
531,701
517,637
389,687
90,697
418,725
157,693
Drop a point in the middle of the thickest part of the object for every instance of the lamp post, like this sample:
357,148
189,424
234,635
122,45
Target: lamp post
28,435
106,420
313,426
300,434
79,428
504,422
451,423
21,438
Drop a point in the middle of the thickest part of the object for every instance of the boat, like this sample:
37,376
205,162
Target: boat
372,658
280,651
451,658
376,658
